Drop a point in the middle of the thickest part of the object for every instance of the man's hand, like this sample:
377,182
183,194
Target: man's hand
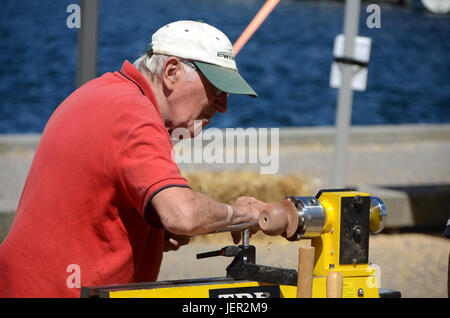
253,207
173,242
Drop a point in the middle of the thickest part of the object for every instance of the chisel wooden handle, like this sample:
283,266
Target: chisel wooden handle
305,272
334,285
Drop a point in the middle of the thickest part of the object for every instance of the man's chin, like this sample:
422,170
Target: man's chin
199,125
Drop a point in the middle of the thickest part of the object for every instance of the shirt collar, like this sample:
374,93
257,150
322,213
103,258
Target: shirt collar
133,75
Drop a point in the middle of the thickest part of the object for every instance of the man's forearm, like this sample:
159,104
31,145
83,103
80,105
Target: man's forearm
218,214
209,214
187,212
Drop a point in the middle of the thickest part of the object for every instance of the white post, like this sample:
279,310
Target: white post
345,95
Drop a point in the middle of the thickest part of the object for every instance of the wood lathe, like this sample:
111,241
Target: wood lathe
337,221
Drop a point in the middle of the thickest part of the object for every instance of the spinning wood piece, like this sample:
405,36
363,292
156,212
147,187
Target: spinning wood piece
279,218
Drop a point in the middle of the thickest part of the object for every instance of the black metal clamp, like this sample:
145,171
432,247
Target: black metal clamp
243,266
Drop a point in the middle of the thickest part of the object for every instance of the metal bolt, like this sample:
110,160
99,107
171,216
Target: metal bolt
357,200
360,292
356,230
246,237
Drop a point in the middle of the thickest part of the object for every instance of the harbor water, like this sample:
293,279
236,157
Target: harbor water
287,61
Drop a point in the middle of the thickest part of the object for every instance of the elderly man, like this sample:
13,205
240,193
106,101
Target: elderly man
104,198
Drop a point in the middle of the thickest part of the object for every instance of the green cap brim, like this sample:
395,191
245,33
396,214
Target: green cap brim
225,79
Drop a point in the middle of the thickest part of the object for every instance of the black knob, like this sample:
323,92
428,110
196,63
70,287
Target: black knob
228,251
357,233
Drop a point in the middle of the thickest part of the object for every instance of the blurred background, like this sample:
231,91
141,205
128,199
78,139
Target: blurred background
399,144
287,60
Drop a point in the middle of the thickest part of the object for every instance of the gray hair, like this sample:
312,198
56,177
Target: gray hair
154,64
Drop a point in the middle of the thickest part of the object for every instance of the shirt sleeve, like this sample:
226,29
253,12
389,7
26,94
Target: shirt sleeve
144,162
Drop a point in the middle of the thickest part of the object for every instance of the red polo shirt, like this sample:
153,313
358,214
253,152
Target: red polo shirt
103,154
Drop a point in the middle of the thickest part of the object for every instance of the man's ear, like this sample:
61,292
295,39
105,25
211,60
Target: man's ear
171,72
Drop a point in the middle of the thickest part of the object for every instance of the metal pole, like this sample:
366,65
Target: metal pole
345,95
87,42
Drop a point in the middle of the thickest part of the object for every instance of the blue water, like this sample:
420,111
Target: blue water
287,61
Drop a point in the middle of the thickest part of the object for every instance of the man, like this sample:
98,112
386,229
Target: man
103,197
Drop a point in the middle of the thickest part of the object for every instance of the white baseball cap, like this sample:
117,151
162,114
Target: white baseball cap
209,49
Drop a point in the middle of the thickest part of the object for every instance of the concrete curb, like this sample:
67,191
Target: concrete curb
9,142
367,134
